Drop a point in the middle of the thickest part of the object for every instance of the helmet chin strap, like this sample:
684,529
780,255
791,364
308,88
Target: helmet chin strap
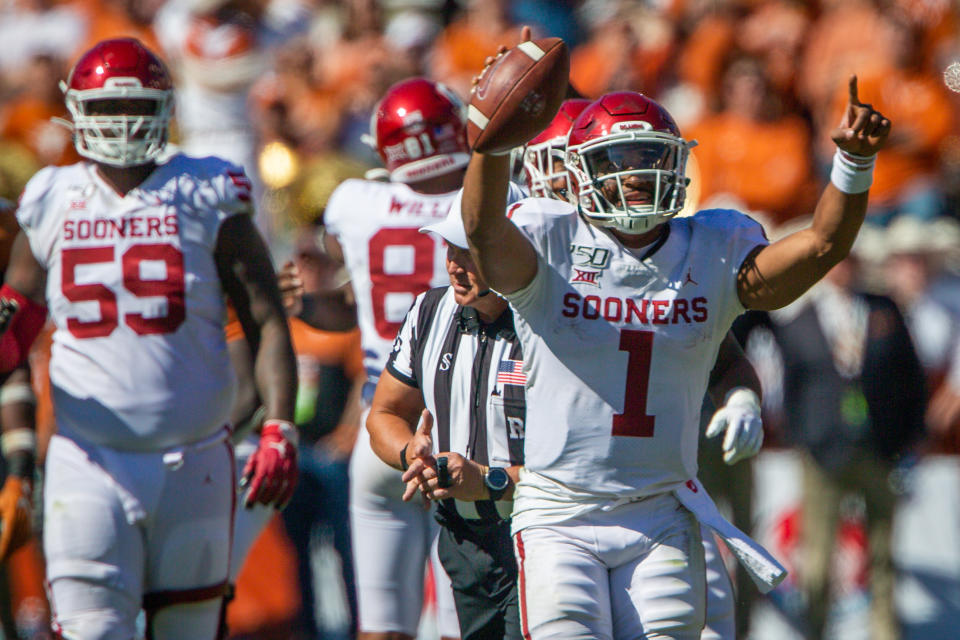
483,293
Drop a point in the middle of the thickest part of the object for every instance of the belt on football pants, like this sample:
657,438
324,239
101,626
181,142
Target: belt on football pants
173,458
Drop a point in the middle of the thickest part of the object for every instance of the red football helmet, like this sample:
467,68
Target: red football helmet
541,155
121,99
419,129
627,162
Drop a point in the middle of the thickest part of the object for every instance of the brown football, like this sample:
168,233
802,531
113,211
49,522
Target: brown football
517,96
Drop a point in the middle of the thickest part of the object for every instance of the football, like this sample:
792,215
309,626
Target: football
517,96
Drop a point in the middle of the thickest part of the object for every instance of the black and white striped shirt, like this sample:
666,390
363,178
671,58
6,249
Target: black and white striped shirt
472,380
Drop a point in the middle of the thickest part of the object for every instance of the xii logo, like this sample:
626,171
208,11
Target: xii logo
585,277
595,259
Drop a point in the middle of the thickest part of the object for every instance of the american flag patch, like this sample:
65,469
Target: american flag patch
511,372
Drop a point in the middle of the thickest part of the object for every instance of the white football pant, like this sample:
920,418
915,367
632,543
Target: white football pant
392,541
635,571
123,530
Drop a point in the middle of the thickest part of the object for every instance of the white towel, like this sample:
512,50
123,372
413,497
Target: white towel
763,568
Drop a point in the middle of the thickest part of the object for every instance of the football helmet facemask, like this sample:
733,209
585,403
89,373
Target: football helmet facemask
120,96
419,129
543,154
627,163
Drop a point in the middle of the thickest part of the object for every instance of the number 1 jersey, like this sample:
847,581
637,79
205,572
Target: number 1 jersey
139,360
618,347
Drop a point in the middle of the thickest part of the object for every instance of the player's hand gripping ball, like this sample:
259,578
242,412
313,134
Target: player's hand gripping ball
517,95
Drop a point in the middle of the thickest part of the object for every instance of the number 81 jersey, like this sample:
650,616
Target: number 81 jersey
139,360
390,262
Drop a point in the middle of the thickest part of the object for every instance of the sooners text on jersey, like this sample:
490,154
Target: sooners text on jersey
139,360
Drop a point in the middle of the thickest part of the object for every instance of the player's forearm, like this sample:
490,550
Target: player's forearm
276,370
783,271
739,373
505,257
17,420
485,198
836,222
731,370
389,434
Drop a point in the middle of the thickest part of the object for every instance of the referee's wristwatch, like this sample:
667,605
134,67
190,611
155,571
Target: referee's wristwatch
497,481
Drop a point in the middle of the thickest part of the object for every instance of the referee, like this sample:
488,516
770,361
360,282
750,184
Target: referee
457,361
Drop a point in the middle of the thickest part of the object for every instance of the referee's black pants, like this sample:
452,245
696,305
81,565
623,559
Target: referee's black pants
479,560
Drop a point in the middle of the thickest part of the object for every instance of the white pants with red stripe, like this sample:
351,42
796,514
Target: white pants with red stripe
635,571
124,530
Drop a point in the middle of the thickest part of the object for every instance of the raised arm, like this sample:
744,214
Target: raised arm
778,274
505,257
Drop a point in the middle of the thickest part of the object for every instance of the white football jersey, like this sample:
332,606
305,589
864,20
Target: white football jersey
390,261
618,347
139,360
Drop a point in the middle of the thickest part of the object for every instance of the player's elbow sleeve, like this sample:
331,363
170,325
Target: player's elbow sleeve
21,320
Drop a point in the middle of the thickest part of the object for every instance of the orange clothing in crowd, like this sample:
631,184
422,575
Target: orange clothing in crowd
463,48
267,600
26,120
849,38
320,353
460,50
764,164
922,115
611,61
700,62
107,20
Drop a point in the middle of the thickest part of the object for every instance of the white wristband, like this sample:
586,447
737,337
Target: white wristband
14,393
18,440
852,173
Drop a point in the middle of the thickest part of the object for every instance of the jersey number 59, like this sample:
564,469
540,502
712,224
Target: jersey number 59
170,287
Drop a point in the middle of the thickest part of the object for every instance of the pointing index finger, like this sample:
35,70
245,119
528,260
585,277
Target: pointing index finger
854,98
426,421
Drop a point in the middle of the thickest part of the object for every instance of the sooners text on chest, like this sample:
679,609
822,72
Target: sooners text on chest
629,311
110,228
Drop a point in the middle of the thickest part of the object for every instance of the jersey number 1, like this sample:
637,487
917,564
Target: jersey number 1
634,420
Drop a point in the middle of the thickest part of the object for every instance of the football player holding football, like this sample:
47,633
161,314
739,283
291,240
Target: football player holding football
621,307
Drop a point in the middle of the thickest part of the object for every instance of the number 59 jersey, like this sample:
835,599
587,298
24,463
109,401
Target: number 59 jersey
139,360
618,347
389,260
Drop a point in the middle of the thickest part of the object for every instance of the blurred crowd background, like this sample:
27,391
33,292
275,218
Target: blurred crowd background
286,88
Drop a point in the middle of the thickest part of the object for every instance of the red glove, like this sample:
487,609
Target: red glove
271,471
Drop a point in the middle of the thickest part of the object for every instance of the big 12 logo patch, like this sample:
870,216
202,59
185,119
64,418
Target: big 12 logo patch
588,264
